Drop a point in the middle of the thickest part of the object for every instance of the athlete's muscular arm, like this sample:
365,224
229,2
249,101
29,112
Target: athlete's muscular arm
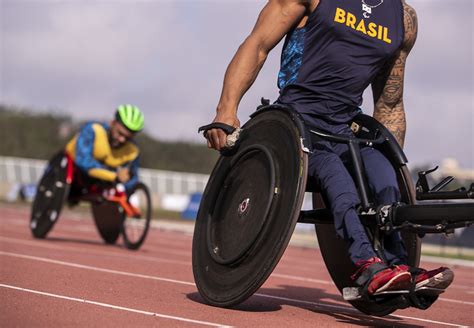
388,86
275,20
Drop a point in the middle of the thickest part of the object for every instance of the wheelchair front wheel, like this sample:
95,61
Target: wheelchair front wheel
135,229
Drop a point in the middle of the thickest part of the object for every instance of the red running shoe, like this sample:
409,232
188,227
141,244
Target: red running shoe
439,278
377,277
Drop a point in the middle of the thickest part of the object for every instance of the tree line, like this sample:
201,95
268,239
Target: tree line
29,134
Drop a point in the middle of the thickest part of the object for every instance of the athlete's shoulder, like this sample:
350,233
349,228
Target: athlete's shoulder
303,2
93,125
97,128
128,151
131,146
306,3
408,7
410,22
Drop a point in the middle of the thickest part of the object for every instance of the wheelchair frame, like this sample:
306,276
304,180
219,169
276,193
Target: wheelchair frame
109,211
412,219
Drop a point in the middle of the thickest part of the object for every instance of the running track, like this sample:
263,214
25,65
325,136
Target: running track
72,279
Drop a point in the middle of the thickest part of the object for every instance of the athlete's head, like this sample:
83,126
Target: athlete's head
128,121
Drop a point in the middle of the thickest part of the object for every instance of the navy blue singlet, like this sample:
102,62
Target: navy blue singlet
327,64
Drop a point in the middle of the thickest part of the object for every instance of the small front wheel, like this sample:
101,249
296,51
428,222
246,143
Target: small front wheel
135,229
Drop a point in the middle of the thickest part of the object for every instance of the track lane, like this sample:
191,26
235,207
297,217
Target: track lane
289,292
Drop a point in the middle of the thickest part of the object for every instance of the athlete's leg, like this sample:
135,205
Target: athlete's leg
337,185
382,181
327,168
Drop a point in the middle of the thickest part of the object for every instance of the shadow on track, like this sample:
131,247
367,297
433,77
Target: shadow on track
253,304
324,304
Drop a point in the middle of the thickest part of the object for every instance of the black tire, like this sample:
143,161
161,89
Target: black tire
134,230
249,210
108,220
51,194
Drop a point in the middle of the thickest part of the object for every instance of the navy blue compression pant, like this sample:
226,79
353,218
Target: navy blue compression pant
330,164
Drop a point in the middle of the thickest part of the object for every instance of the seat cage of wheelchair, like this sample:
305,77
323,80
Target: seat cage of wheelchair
439,217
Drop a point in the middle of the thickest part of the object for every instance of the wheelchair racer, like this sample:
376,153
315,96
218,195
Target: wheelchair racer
333,50
105,154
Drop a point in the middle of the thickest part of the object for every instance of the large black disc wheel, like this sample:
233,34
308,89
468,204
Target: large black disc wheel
136,228
249,210
52,191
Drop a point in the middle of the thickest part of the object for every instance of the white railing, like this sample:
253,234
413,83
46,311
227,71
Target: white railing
25,171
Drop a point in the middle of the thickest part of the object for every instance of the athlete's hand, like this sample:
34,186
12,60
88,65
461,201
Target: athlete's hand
216,138
123,174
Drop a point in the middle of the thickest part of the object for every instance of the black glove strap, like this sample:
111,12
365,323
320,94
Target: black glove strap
228,129
369,272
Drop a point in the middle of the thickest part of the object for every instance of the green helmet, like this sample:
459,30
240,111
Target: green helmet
131,117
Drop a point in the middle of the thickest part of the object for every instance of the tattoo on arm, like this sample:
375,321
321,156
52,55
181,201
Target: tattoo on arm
388,86
388,98
410,21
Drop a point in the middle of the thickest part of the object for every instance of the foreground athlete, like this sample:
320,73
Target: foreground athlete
335,49
105,153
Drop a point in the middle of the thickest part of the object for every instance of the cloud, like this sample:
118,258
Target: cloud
169,58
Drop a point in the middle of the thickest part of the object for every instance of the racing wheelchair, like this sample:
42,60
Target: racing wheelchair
253,201
115,211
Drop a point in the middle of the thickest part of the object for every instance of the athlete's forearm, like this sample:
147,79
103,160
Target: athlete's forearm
240,75
274,22
388,86
393,118
388,96
102,174
134,166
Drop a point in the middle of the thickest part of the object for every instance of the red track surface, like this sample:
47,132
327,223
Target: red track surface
72,278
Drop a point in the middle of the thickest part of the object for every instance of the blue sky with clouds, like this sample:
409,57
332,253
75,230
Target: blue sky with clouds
83,57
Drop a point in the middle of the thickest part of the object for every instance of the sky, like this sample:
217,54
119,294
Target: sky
84,57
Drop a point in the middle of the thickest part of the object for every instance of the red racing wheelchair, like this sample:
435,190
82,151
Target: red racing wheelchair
116,211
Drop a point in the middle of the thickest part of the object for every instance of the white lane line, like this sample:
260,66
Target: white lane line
465,288
317,281
158,244
352,310
116,307
432,321
43,244
87,267
456,301
178,237
190,283
447,261
154,259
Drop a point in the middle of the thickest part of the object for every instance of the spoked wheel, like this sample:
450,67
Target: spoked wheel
51,193
135,229
249,210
